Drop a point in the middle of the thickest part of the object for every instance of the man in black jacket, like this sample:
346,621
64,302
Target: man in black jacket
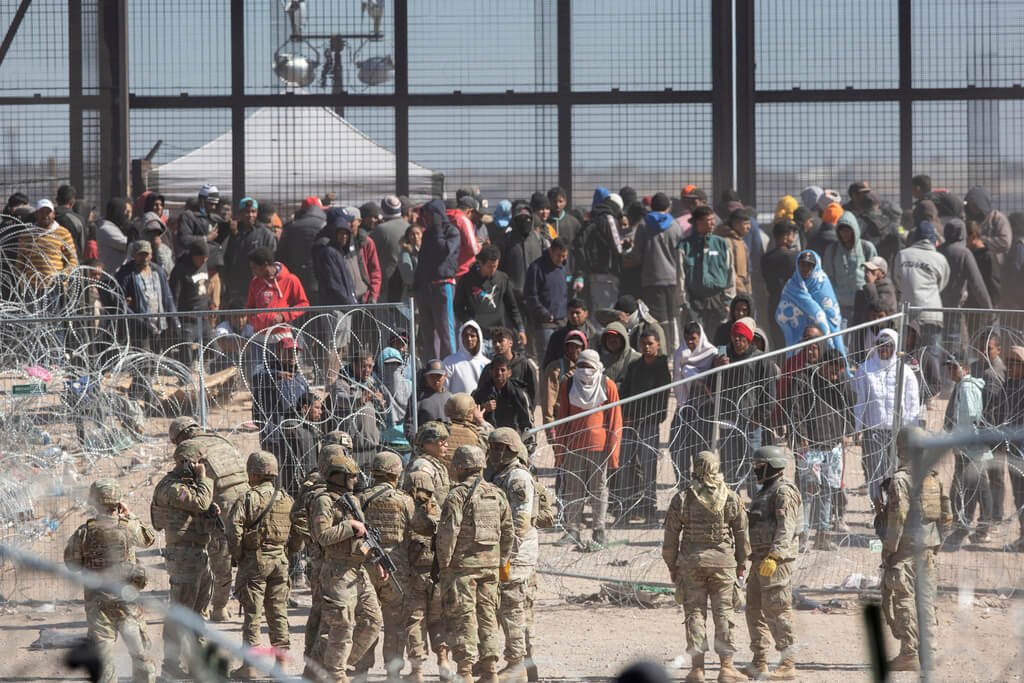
504,402
878,294
197,225
297,243
522,369
485,295
246,236
66,216
188,282
434,281
778,266
431,398
523,245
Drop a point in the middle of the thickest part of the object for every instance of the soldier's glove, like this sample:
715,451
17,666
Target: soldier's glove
768,566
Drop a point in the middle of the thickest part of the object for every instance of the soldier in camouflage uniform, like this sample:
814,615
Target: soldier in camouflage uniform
106,544
422,597
184,510
260,540
899,602
776,515
226,468
474,539
350,618
706,547
432,458
462,427
517,579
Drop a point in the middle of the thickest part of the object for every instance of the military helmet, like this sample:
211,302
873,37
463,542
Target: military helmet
338,438
180,425
261,462
775,456
387,462
469,458
328,452
460,406
338,462
105,493
420,480
431,432
506,436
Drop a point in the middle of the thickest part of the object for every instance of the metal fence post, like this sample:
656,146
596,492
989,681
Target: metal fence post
412,359
202,371
897,408
715,429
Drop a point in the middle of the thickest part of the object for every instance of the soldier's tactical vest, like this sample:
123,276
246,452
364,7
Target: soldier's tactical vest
107,545
481,517
347,552
178,525
463,434
273,530
504,478
223,464
310,491
385,507
438,472
702,526
762,517
931,498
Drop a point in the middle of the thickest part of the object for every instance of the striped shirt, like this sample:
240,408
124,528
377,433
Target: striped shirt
42,254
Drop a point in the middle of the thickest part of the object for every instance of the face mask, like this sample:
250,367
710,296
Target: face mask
761,472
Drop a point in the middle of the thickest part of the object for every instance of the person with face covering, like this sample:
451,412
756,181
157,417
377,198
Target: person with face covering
464,367
397,390
705,549
588,445
597,255
691,425
808,298
434,281
875,387
523,246
112,233
996,232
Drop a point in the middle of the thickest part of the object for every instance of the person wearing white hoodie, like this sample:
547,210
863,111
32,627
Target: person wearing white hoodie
875,386
465,365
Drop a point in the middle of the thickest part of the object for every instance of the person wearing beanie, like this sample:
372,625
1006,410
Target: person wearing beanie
246,235
498,228
195,225
296,245
387,237
733,231
709,271
920,273
806,224
809,196
541,206
995,231
826,235
656,251
748,393
778,265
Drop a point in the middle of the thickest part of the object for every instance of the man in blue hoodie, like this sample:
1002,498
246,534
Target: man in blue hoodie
434,281
546,291
656,251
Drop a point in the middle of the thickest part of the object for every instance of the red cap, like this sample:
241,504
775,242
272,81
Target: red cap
311,201
287,343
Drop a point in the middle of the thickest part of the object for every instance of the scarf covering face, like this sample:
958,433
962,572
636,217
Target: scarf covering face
588,382
708,486
687,363
809,301
876,363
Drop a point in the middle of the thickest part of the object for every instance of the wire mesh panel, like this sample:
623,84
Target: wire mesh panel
826,144
37,63
648,45
509,152
962,44
34,140
651,148
825,46
166,59
965,143
482,46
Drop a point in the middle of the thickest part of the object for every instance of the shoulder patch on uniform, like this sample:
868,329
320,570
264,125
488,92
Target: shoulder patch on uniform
426,468
320,519
183,495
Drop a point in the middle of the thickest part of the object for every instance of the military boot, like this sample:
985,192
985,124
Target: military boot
757,668
173,672
904,661
696,674
488,670
786,671
245,673
464,672
219,614
415,674
444,665
514,672
727,672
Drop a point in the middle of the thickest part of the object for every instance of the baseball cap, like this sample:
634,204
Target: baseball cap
522,209
369,210
876,263
311,201
248,200
468,202
209,191
336,219
353,213
434,367
576,337
140,246
694,192
858,187
44,204
288,342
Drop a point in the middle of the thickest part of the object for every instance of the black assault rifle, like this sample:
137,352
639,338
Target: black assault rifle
372,545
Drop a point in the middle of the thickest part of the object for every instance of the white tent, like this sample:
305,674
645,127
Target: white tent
291,153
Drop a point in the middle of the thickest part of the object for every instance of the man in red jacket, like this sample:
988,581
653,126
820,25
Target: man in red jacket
273,287
461,218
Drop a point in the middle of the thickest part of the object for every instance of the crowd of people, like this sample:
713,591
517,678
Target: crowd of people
583,317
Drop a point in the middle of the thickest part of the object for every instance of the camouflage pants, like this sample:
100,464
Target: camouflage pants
263,587
515,603
220,567
188,567
469,598
770,608
313,621
350,618
392,608
899,601
423,618
695,587
106,619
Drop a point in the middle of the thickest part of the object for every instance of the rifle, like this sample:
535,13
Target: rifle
217,520
372,545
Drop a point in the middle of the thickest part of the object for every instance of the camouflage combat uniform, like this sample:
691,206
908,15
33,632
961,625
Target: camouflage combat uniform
225,466
312,487
775,520
422,598
474,538
350,618
178,509
262,550
106,544
462,430
704,546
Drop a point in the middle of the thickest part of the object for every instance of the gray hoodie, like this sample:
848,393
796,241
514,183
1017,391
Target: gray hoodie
920,273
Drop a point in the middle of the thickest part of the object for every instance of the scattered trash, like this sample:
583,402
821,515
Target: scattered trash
47,608
680,662
52,639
